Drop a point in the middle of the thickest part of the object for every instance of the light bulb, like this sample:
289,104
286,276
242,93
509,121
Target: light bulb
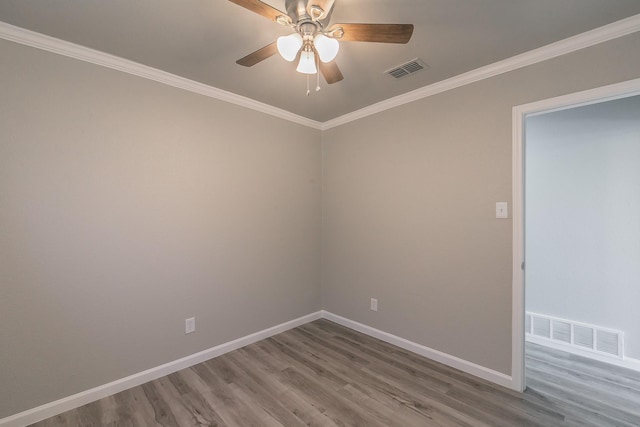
307,63
327,47
288,46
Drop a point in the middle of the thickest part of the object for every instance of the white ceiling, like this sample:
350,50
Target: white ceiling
202,39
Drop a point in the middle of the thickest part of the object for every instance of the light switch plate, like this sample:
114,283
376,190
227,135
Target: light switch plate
190,325
502,210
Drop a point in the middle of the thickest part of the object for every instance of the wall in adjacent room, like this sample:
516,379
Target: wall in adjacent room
127,206
582,213
409,206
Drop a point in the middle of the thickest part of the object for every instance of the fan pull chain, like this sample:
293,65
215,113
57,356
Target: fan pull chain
308,91
317,73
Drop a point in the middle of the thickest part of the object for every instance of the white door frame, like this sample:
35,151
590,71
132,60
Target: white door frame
520,113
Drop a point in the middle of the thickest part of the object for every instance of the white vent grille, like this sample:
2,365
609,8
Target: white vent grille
541,326
407,69
595,339
607,342
583,336
561,331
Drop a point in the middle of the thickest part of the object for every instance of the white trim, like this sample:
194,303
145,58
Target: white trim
627,362
590,38
518,290
520,112
71,402
72,50
587,97
438,356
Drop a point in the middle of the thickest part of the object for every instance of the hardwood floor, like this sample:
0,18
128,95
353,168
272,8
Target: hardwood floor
603,394
322,374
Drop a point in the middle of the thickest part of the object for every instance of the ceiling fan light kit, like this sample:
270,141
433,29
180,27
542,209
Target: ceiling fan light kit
326,47
307,64
288,46
314,39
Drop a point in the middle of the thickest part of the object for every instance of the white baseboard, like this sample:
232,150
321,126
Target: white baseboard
626,362
71,402
438,356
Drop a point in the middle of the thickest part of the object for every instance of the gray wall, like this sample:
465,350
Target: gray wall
127,206
582,216
409,206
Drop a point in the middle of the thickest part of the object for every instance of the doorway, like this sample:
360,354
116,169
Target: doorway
537,113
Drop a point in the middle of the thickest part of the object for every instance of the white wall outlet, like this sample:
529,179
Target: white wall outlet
502,210
374,304
190,325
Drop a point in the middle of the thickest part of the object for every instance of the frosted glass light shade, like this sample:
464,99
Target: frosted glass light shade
288,46
307,63
327,47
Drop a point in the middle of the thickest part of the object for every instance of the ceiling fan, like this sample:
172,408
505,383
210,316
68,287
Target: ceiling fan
314,41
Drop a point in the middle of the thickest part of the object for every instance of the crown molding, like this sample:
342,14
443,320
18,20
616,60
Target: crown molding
51,44
590,38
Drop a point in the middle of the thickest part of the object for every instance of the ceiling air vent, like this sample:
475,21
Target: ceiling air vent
407,69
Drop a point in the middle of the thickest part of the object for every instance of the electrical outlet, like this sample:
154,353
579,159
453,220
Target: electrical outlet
190,325
374,304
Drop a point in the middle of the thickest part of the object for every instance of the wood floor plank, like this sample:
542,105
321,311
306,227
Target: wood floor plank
190,409
589,391
573,404
577,397
619,397
409,372
143,410
428,405
584,373
309,411
370,383
307,360
322,374
340,411
265,419
254,387
192,390
573,361
162,412
223,398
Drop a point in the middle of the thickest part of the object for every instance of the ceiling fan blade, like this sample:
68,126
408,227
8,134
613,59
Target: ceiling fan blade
379,33
323,5
331,72
259,55
260,8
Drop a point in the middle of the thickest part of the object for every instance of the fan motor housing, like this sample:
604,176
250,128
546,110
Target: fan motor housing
297,11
